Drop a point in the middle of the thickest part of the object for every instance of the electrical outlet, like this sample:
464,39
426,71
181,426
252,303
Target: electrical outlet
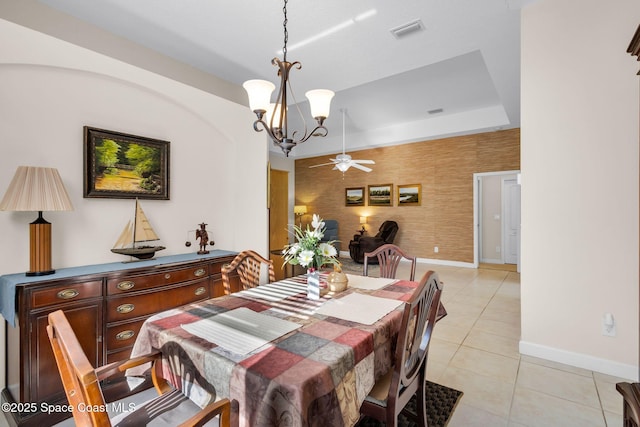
608,325
435,249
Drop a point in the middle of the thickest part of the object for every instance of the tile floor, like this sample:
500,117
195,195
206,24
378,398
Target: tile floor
475,350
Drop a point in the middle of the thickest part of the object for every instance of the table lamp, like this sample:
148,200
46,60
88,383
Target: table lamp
300,210
363,221
37,189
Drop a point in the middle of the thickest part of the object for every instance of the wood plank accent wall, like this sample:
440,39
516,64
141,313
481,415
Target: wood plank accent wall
444,167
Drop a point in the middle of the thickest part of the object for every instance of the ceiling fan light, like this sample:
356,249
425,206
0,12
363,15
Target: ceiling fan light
320,102
259,92
342,167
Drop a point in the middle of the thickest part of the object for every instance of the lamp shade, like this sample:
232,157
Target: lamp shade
300,209
259,92
363,220
36,189
320,102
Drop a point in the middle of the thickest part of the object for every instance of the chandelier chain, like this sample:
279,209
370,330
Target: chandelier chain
286,33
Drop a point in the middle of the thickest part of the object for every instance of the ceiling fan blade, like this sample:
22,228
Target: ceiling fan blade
322,164
365,162
362,168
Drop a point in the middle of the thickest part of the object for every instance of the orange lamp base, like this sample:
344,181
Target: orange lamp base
40,247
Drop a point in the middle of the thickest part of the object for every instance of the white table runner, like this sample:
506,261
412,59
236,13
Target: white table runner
370,283
241,330
273,292
360,308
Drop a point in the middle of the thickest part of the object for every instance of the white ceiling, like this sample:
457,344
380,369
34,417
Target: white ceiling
465,62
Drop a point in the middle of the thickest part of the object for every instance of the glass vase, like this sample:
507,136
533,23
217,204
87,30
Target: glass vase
313,284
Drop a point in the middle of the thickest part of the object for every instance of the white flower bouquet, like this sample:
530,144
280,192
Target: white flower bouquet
309,251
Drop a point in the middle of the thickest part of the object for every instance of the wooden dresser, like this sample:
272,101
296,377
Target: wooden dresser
106,306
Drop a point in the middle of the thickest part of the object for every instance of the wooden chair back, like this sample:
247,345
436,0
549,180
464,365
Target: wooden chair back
389,257
248,265
79,377
407,377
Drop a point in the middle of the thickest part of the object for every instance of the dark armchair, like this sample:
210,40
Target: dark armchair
331,233
358,247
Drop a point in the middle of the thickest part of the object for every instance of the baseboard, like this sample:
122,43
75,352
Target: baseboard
445,262
429,261
584,361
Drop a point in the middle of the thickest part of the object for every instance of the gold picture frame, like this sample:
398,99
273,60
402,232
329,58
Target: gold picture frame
409,195
354,196
380,195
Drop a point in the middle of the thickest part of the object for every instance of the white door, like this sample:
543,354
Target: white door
511,203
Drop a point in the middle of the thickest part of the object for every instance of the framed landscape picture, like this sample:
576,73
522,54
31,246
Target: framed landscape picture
354,196
409,195
122,166
381,195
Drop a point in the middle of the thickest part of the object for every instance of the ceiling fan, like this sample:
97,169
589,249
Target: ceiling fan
343,161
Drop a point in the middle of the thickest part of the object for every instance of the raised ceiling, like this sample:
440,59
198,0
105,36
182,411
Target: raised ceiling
464,61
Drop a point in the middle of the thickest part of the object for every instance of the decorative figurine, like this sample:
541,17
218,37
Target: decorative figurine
203,235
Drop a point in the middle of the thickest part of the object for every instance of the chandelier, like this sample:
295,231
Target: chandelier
273,116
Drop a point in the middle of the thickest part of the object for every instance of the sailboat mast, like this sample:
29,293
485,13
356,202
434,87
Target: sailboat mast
135,223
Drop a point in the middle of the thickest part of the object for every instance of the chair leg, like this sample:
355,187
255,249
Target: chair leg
421,398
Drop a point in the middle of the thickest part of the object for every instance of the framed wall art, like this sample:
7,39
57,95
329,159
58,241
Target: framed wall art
122,166
354,196
381,195
410,195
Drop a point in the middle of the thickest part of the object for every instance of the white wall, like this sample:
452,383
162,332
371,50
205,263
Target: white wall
579,146
50,89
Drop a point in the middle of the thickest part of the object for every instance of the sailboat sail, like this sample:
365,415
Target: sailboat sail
144,231
126,237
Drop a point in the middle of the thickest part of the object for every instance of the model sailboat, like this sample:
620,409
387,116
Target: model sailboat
137,232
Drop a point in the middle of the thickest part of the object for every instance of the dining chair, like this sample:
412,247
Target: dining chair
407,376
631,403
248,265
389,257
81,382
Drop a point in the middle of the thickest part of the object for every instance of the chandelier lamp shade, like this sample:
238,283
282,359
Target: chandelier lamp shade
273,117
37,189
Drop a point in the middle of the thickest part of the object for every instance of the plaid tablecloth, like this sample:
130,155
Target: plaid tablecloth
317,375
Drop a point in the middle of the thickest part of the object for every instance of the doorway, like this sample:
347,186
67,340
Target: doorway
278,218
497,218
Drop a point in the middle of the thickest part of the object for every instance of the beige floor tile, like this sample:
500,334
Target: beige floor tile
510,317
535,409
613,420
496,327
450,333
468,416
562,384
488,364
556,365
610,399
442,351
493,343
482,392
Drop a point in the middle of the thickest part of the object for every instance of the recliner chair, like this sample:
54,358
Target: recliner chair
358,247
331,233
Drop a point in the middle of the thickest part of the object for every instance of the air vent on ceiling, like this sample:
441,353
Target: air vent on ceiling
408,28
435,111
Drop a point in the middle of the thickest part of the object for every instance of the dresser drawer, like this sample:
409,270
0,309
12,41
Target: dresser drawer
66,293
126,284
122,335
130,306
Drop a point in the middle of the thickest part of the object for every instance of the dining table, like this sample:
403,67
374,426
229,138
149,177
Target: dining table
282,358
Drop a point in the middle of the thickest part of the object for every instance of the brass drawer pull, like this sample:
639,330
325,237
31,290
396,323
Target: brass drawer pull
68,293
125,335
126,285
200,290
200,272
167,276
125,308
